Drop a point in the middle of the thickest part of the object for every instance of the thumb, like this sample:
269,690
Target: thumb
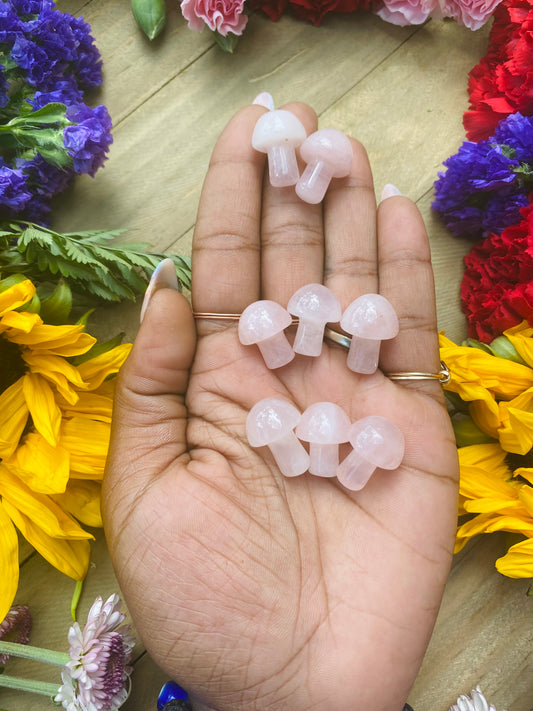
149,416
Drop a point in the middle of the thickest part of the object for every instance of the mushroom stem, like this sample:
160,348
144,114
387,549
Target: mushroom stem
309,338
363,356
314,182
282,166
290,455
276,351
324,459
354,471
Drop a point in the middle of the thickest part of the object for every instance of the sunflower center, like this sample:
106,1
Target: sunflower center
12,365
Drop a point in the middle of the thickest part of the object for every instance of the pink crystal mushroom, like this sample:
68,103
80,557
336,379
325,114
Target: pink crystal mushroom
277,133
376,442
270,423
315,305
262,323
370,319
324,425
328,154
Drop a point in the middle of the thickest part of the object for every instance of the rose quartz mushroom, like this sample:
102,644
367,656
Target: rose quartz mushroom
370,319
376,442
315,305
277,133
270,423
262,323
324,425
328,154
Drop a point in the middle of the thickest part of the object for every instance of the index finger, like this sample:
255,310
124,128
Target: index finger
226,243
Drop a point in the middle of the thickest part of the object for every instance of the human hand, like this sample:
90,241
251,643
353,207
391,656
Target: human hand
254,591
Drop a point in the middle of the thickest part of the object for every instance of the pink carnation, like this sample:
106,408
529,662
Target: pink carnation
470,13
221,15
406,12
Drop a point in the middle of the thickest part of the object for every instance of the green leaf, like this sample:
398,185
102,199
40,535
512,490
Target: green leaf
150,15
56,308
228,43
53,113
92,265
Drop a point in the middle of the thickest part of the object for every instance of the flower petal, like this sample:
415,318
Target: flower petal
43,408
518,561
82,500
18,325
87,441
70,557
39,508
58,340
58,371
45,469
9,564
13,417
16,296
96,370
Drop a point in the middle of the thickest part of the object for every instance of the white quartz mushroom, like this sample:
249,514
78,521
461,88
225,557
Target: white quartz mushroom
369,319
315,305
270,423
328,154
278,133
324,425
377,442
262,323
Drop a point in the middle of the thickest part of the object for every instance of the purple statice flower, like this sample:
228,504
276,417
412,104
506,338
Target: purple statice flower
15,627
88,64
468,194
11,26
14,192
65,92
88,141
45,181
96,676
516,131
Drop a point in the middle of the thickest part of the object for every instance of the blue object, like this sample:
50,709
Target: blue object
169,692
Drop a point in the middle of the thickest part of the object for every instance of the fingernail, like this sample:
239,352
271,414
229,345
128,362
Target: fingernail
264,99
389,190
163,277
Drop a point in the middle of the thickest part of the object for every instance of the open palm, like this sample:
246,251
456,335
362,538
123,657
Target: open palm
254,591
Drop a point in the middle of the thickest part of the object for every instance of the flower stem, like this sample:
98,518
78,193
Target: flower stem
36,653
37,687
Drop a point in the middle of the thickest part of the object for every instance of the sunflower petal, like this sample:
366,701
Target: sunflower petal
91,405
518,561
18,325
39,508
16,296
57,340
58,371
82,500
43,408
9,564
96,370
13,417
87,442
44,468
70,557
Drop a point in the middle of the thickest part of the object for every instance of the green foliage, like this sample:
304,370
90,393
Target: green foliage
88,261
226,42
150,15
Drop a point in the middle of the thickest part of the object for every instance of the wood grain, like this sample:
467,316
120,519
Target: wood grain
402,92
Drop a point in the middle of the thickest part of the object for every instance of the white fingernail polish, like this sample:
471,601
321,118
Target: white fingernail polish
264,99
163,276
389,190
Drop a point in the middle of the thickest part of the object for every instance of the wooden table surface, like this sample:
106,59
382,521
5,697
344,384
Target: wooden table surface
402,92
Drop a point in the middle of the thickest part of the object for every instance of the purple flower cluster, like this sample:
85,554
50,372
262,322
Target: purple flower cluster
488,182
47,56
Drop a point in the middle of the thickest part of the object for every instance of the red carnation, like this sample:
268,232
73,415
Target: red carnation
497,287
274,9
502,82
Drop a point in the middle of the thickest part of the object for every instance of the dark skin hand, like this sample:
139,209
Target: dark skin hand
254,591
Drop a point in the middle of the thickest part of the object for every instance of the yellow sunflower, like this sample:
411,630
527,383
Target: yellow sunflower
496,470
54,432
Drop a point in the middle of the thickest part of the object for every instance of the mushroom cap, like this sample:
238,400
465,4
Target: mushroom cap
315,302
370,316
262,320
323,423
378,440
277,127
330,146
269,420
